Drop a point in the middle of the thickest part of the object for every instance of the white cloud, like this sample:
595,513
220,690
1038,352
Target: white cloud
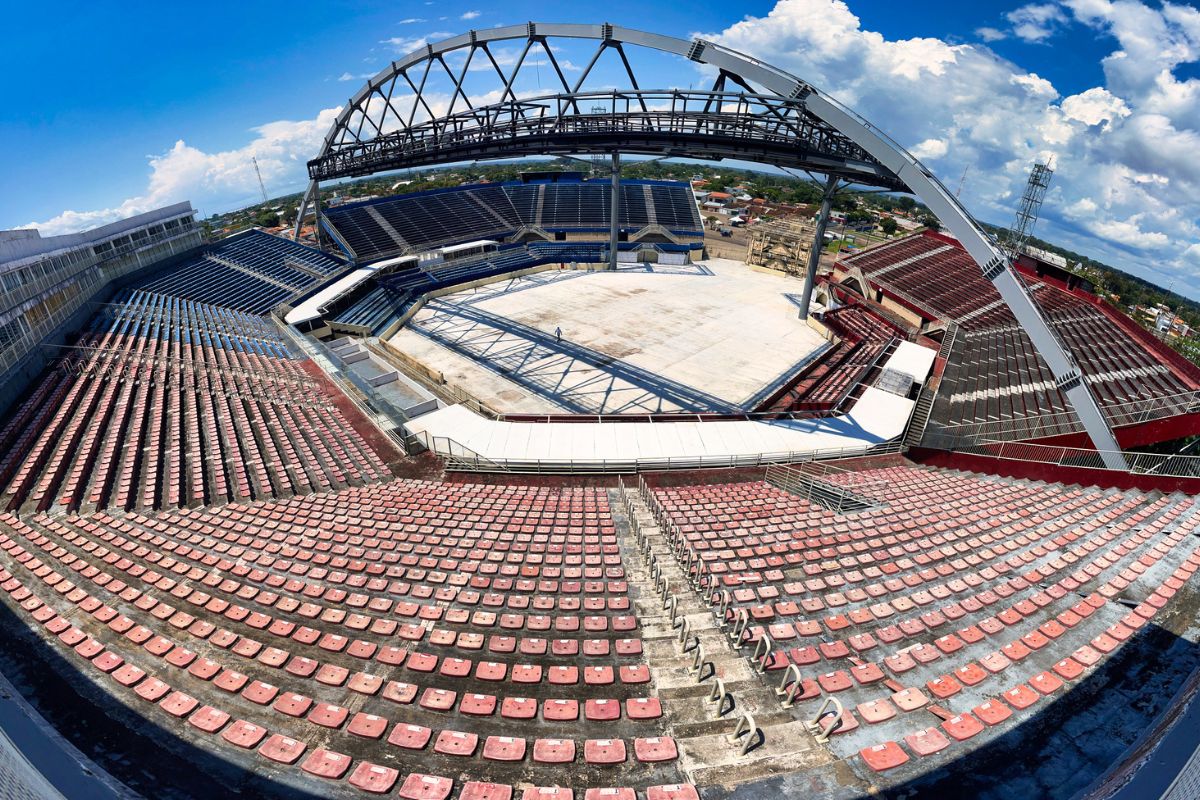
214,180
1095,106
346,76
404,45
411,21
989,34
1127,180
1036,22
931,148
471,15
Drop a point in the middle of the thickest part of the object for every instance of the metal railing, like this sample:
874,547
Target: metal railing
1082,458
460,458
808,481
1065,422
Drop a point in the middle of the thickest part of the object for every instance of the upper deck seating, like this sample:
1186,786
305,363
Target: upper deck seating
168,402
994,373
251,272
425,221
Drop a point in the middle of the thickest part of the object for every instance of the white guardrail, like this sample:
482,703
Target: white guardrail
463,459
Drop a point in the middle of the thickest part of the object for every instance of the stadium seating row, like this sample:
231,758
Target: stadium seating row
994,372
292,630
977,600
426,220
827,383
167,402
251,272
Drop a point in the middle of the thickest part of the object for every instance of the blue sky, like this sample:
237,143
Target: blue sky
114,107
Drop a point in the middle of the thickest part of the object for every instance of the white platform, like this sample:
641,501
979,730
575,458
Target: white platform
912,359
878,417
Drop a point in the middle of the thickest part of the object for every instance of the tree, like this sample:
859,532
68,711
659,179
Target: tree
907,203
889,226
931,222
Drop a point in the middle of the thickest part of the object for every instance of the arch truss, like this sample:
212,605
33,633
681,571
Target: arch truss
512,92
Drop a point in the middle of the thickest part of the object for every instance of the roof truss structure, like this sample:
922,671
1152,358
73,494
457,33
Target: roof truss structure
430,107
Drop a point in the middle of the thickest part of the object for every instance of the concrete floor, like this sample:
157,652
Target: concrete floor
714,335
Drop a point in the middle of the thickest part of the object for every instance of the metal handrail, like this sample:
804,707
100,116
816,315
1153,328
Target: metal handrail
464,461
1131,413
1082,458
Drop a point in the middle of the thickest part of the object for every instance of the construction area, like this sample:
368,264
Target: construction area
708,336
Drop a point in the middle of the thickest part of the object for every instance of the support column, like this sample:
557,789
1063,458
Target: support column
814,253
614,211
309,195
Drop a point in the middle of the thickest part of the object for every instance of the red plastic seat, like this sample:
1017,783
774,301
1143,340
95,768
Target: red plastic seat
425,787
962,727
368,726
602,710
604,751
656,748
455,743
554,751
504,748
992,712
282,749
373,778
409,737
560,710
479,790
209,719
244,734
292,704
643,708
672,791
518,708
927,742
477,705
884,756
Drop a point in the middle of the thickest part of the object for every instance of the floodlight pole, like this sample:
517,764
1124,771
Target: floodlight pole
814,254
614,211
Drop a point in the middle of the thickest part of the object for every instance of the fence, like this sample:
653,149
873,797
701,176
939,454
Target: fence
1065,422
808,481
460,458
1081,458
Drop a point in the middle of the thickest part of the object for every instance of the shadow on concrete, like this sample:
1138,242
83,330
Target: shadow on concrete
542,363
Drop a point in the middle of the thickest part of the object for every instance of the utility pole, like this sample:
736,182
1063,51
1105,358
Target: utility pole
262,186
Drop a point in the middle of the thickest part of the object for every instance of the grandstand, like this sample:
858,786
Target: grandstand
409,223
995,380
230,566
251,272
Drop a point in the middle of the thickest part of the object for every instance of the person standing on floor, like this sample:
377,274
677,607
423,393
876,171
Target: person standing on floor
558,334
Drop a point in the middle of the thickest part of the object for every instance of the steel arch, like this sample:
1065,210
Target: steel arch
441,137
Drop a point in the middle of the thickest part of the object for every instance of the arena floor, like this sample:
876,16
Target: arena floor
710,336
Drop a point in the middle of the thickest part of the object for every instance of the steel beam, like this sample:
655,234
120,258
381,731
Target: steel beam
814,255
614,224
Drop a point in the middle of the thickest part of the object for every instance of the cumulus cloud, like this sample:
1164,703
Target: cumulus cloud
213,180
1127,182
1036,22
471,15
990,34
